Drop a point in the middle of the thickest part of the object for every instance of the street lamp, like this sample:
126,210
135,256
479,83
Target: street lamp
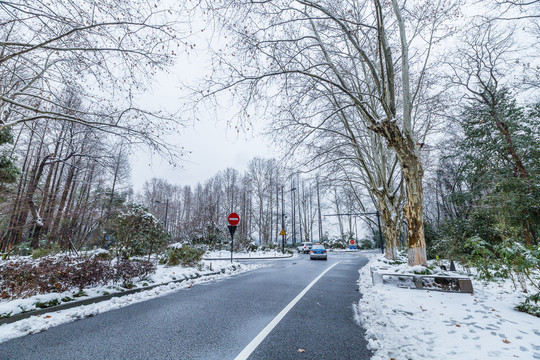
166,212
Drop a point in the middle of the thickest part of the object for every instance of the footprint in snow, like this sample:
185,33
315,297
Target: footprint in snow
523,348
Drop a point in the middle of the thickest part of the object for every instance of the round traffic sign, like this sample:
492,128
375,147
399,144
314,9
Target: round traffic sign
351,241
233,219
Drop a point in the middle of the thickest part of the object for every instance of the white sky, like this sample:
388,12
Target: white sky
212,144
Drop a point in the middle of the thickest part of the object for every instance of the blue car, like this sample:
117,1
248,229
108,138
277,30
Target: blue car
317,252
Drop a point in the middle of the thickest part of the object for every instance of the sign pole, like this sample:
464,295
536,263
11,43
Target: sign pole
233,220
232,229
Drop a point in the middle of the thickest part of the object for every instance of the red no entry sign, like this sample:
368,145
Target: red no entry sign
234,219
351,241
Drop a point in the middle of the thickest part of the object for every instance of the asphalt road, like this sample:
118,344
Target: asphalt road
217,320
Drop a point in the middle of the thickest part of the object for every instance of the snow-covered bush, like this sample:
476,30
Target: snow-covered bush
530,305
508,259
138,232
127,270
24,278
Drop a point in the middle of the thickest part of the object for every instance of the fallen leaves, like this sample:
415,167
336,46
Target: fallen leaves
506,341
46,317
457,325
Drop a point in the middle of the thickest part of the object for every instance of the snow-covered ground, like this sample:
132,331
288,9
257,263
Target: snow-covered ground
164,275
413,324
401,324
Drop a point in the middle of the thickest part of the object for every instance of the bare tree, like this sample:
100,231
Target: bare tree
105,51
359,52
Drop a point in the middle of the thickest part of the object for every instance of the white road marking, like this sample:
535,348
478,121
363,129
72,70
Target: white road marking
264,333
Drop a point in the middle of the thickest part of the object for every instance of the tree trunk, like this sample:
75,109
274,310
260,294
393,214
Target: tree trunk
389,229
414,210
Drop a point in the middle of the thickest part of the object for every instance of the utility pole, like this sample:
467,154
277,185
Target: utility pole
282,223
319,211
299,213
293,215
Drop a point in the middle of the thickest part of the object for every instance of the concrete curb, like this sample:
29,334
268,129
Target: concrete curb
96,299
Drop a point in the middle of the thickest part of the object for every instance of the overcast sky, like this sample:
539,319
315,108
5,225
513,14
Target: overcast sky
212,145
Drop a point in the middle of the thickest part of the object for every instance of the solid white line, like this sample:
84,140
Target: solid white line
264,333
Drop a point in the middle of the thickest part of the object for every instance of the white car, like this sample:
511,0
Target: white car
305,247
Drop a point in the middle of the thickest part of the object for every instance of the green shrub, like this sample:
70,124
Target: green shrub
45,251
366,244
138,232
43,305
187,256
103,255
531,305
509,259
6,315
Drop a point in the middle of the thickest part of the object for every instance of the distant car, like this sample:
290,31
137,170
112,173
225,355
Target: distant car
318,251
305,247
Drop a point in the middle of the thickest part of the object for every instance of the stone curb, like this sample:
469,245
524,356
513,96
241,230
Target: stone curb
93,300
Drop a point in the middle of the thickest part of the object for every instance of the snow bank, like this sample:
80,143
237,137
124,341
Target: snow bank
420,324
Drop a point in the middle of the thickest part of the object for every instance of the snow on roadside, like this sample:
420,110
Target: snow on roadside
246,254
163,275
414,324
